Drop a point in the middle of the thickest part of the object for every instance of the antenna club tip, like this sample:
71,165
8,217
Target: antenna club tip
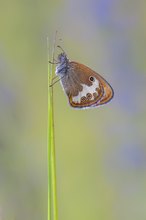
60,48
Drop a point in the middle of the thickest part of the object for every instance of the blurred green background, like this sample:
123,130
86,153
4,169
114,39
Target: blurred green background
101,153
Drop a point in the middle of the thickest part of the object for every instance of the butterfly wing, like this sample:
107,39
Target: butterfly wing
84,87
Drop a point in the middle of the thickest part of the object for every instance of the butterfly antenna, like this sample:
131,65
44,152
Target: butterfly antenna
61,48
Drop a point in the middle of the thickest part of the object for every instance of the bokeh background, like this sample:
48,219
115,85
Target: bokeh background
101,153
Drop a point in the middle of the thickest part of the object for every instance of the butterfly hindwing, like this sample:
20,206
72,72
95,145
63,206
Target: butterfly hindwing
85,88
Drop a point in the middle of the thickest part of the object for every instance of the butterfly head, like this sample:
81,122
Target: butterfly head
62,65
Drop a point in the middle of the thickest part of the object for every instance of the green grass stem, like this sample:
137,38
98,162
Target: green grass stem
52,189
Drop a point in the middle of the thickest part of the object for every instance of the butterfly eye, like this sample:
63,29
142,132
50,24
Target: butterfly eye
91,78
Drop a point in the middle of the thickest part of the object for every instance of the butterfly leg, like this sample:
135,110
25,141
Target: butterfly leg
53,62
54,78
55,81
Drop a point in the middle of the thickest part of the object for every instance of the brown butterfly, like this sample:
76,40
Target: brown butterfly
84,87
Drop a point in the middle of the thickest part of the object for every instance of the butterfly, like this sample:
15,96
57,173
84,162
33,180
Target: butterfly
84,87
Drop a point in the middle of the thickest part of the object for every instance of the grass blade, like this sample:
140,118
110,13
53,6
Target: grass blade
52,189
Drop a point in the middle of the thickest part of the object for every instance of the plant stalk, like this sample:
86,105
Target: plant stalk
52,185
